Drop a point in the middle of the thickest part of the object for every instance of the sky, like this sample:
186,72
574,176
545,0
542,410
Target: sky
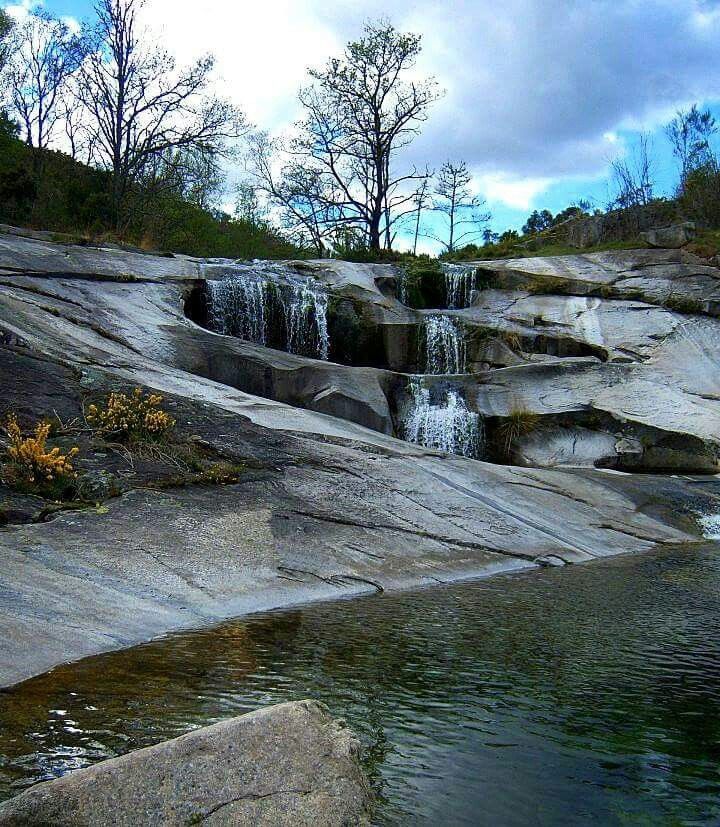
540,95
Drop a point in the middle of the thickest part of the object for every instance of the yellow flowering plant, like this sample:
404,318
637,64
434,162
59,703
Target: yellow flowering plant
32,464
134,416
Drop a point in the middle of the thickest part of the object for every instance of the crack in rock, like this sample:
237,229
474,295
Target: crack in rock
248,797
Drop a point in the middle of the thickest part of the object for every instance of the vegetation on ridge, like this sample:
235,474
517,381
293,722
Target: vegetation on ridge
112,140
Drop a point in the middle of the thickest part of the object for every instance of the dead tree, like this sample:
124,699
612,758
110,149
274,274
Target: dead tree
139,106
460,209
44,55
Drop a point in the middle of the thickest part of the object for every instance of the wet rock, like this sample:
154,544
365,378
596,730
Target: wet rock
289,764
97,485
328,507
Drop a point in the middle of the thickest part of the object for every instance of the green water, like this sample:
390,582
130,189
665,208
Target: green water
583,695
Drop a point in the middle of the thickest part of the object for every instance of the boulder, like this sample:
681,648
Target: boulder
656,276
672,237
289,764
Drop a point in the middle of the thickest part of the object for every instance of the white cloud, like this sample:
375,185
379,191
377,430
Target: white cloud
519,193
262,49
20,11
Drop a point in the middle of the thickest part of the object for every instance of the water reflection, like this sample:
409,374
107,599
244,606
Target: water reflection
584,695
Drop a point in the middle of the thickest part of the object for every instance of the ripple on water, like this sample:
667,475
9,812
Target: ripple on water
582,695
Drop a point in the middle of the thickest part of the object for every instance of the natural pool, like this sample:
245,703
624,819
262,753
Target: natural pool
584,695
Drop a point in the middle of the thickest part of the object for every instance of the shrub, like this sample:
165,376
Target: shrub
32,466
519,423
700,194
131,417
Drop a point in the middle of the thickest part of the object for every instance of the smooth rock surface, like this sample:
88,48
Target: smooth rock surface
289,764
653,276
326,506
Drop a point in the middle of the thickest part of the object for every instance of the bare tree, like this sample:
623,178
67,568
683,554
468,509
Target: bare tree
689,133
44,55
70,114
455,202
5,29
421,201
190,174
299,197
633,177
140,107
360,111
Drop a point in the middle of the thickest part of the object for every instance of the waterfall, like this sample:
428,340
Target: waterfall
305,313
459,282
442,420
711,526
402,286
244,302
236,307
444,345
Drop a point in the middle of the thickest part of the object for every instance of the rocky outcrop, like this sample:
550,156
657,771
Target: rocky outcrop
290,764
327,502
616,225
671,237
661,277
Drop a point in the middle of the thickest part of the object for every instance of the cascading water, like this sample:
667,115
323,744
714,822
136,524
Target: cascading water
244,302
402,286
711,526
305,312
236,307
442,420
459,282
444,345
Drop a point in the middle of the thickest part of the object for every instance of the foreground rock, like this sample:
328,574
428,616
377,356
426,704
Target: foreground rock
290,764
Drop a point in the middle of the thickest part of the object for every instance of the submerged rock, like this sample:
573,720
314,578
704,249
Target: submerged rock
289,764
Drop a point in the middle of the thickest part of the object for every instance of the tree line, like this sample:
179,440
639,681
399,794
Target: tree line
113,100
104,125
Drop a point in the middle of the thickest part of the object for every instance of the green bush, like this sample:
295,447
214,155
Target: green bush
49,190
700,195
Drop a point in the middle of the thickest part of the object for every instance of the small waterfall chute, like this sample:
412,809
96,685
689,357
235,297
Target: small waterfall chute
246,301
402,286
459,283
444,345
236,307
440,419
305,312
